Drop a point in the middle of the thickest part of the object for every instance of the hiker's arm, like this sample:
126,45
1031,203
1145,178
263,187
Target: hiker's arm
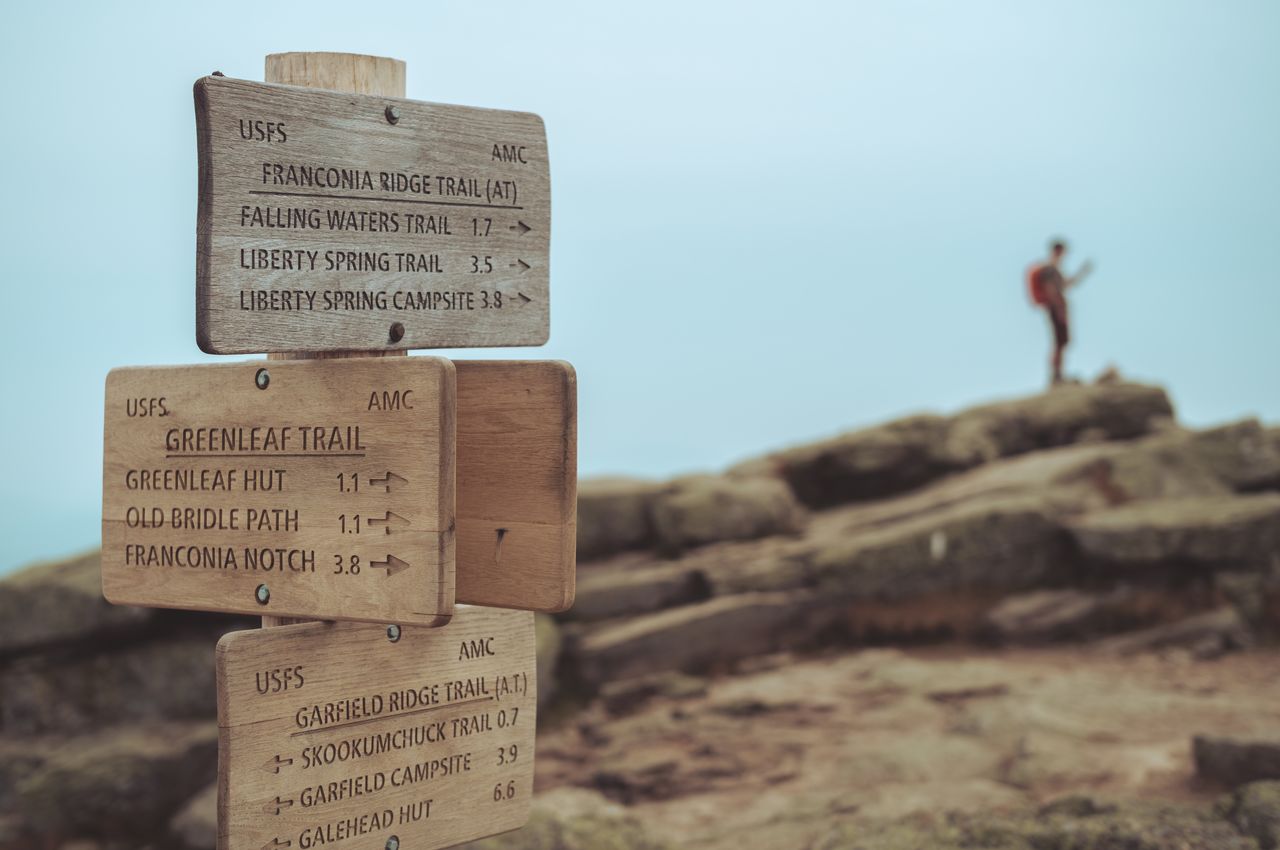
1080,275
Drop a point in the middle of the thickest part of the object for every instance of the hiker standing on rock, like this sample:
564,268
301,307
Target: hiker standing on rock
1048,288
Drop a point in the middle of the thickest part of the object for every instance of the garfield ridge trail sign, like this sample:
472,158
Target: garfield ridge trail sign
320,488
331,221
348,735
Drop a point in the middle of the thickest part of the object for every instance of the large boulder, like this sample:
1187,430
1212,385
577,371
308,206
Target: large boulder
876,462
1211,531
626,586
614,515
147,682
57,603
1073,479
705,509
692,638
1182,464
1064,415
1235,761
123,783
993,544
869,463
1244,455
1163,466
766,565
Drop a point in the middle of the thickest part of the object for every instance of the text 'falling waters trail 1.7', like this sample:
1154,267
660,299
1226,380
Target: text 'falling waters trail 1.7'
362,494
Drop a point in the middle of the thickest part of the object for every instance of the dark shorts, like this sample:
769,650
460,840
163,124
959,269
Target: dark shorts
1058,320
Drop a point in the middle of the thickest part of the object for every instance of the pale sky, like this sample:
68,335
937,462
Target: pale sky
771,222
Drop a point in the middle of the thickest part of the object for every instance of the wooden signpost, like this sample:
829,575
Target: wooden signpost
351,735
517,483
320,488
339,223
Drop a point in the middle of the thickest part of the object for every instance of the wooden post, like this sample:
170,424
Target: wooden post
347,72
350,72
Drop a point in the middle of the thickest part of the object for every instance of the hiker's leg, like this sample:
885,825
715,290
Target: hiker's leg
1061,336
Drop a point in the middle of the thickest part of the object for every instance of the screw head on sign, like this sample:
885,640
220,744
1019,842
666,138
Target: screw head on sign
397,331
393,843
393,635
393,117
262,594
262,379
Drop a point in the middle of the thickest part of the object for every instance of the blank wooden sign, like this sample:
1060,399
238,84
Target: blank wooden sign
320,489
331,221
517,483
336,735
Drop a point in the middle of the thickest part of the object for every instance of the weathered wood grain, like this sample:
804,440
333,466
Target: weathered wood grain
517,483
348,72
450,207
332,735
199,509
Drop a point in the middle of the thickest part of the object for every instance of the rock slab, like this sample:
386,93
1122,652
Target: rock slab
1236,761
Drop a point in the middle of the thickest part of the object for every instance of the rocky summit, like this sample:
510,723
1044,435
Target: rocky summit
1042,623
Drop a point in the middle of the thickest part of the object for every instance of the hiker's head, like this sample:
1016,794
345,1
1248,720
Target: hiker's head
1057,249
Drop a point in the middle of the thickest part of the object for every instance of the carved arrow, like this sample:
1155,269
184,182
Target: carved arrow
524,299
522,265
389,480
392,518
279,804
276,844
520,227
274,764
392,565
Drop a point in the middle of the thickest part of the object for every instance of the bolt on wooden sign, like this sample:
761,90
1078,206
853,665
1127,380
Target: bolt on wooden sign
333,221
321,488
352,735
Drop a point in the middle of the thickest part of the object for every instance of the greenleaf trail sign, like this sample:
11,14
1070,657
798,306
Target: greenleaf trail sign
255,489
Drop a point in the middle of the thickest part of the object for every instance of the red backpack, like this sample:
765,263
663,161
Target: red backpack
1035,284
